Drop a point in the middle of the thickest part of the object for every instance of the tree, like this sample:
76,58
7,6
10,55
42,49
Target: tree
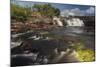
19,13
46,10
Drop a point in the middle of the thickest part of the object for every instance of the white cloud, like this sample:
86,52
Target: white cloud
72,12
91,10
67,13
77,12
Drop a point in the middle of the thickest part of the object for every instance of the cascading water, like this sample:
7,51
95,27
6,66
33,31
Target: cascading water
58,22
69,22
75,22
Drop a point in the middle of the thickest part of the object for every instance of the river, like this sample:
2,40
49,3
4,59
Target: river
85,34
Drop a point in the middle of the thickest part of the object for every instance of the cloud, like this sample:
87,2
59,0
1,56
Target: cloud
67,13
91,10
78,12
72,12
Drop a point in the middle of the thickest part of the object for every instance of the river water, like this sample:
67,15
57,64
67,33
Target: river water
86,34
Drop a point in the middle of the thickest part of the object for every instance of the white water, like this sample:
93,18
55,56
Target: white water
58,22
75,22
15,44
70,22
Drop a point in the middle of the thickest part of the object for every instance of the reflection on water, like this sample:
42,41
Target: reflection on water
75,30
87,34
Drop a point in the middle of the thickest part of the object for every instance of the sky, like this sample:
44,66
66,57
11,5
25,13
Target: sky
65,9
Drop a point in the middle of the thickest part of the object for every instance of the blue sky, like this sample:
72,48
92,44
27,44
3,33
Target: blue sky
65,9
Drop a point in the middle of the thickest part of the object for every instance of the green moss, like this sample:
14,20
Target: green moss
86,55
83,54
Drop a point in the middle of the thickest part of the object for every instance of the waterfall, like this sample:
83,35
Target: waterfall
75,22
69,22
57,21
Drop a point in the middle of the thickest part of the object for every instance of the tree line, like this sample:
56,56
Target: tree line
22,13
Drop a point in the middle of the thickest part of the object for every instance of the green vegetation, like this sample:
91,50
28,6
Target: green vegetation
84,54
47,10
23,13
19,13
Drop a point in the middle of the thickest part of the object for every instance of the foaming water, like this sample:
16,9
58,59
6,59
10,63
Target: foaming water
58,21
75,22
69,22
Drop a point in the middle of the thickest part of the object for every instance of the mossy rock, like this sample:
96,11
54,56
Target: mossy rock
86,55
